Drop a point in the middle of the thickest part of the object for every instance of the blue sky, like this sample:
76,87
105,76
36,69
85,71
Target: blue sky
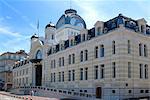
18,18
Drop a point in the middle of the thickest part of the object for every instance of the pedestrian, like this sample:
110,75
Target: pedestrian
32,93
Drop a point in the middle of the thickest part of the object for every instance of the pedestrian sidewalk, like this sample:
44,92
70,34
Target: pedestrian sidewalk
27,97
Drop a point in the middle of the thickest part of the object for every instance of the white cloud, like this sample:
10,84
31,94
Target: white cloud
25,18
90,13
15,42
144,6
6,30
8,17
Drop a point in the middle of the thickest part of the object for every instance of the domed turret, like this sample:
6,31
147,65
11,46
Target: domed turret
50,25
50,33
71,17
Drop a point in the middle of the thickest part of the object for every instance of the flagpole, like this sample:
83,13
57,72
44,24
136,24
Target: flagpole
38,27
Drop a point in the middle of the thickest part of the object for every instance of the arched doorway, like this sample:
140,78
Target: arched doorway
37,69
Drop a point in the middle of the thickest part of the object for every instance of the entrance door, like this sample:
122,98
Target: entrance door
38,75
98,92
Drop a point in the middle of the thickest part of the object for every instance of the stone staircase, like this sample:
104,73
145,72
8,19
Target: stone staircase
52,93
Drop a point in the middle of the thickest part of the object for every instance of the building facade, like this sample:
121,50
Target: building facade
109,61
7,60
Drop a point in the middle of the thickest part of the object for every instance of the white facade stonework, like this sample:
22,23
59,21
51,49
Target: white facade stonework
110,61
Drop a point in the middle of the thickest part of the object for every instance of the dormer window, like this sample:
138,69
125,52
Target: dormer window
142,28
72,42
83,37
53,50
62,46
98,30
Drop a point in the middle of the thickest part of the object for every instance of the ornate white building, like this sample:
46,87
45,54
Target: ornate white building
109,61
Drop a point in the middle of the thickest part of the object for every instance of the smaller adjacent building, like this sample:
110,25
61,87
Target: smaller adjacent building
7,60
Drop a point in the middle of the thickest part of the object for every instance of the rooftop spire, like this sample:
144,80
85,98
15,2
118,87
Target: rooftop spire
70,4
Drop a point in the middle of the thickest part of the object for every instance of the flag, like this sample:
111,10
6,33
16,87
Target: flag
38,25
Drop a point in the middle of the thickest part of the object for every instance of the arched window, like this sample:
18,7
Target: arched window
129,69
86,55
129,47
146,71
96,52
102,71
102,51
73,58
69,59
140,49
52,37
81,73
81,56
72,42
114,70
86,73
39,55
141,70
113,47
145,51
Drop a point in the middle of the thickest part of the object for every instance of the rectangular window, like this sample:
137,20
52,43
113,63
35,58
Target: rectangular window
129,69
96,52
96,72
141,70
114,70
129,47
81,73
102,71
86,73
